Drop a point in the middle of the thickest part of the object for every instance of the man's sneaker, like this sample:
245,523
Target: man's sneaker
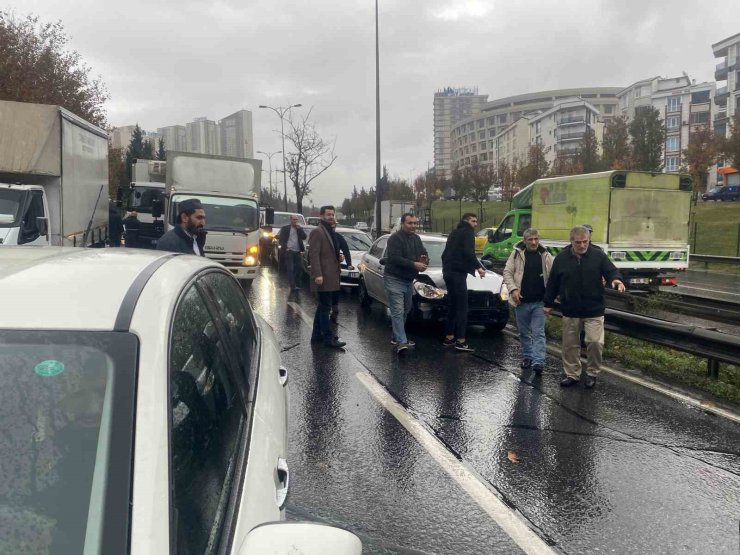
463,347
590,382
448,342
567,381
526,364
537,368
408,342
402,347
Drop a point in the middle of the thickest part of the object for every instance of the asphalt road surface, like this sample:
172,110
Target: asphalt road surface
444,452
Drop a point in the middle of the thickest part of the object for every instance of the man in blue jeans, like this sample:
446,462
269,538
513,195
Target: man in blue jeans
525,276
405,257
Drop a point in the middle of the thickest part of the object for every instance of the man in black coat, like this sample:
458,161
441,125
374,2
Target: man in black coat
188,237
115,227
577,276
459,260
291,239
132,225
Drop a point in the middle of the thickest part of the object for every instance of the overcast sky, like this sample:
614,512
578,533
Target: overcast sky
166,62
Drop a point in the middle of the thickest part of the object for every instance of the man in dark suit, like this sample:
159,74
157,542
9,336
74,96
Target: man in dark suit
291,239
188,237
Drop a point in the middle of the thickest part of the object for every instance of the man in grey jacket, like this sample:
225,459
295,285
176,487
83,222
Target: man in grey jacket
525,276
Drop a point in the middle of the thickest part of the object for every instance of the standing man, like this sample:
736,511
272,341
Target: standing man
291,239
188,236
323,256
405,257
525,277
115,227
459,260
132,225
576,277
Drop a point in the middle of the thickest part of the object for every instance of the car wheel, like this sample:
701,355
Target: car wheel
362,294
497,327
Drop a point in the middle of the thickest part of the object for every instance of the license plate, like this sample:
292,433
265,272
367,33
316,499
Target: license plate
354,274
640,281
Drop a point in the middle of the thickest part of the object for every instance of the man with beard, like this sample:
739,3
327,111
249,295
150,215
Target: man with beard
189,236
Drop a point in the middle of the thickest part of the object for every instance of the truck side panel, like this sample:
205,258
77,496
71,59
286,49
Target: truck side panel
29,139
649,218
85,170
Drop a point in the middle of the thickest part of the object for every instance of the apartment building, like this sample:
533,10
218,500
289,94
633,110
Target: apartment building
174,137
202,136
683,104
727,74
236,135
560,130
451,105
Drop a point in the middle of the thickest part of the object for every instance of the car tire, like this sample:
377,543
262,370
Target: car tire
362,295
496,328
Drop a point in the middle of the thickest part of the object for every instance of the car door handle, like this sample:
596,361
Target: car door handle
283,375
283,474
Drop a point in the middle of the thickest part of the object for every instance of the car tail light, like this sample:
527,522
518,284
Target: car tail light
668,281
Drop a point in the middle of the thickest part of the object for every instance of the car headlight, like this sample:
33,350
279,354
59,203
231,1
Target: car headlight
250,260
428,291
267,235
504,292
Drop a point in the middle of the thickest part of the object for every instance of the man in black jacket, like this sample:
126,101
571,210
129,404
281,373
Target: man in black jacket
459,260
405,257
188,237
115,227
132,225
576,277
291,239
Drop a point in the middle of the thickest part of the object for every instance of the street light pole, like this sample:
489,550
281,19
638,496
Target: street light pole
269,162
280,111
377,126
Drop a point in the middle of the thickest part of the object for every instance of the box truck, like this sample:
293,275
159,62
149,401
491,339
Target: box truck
53,177
146,188
640,219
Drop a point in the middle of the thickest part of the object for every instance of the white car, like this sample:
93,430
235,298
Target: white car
144,409
359,243
361,226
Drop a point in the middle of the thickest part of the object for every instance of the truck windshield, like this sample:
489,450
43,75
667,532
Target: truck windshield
224,213
283,218
11,204
142,197
60,395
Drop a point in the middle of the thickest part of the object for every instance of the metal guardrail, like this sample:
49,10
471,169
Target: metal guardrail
722,312
710,258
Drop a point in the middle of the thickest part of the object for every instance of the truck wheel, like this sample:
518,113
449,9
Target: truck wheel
362,294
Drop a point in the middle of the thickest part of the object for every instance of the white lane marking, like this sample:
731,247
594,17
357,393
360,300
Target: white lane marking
701,404
506,518
704,290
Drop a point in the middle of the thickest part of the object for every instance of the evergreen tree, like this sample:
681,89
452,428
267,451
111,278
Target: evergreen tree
615,146
134,151
147,153
161,151
588,155
648,135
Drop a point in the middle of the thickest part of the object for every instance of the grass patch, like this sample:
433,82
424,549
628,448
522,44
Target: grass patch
446,214
674,366
716,225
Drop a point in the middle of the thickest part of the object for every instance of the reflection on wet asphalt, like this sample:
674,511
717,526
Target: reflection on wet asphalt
619,468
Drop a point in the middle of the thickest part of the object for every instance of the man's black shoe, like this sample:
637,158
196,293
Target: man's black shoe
316,339
335,344
526,364
590,382
567,381
537,368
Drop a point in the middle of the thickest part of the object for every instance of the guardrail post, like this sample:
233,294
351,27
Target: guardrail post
713,368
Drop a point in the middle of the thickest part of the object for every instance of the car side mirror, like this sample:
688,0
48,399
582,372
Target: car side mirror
269,216
307,538
42,224
491,236
487,264
157,208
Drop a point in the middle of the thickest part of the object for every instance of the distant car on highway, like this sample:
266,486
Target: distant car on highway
481,238
268,239
487,297
358,243
362,226
724,193
146,409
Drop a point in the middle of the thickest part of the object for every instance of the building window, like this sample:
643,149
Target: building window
490,145
608,108
481,135
491,121
481,123
671,144
700,97
538,127
484,157
673,122
699,117
482,146
491,133
671,163
674,103
502,118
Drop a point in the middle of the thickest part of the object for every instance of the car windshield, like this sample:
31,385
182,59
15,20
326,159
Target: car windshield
435,249
142,198
225,213
357,241
11,204
283,218
56,407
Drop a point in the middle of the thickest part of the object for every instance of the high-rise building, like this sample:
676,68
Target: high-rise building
236,135
451,105
121,136
174,137
202,136
683,104
727,71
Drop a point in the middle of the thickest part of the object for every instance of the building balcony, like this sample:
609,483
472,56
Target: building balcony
720,117
675,109
721,96
720,71
572,120
563,137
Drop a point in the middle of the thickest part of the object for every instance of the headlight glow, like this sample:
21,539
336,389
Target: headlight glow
250,260
267,235
504,292
254,249
428,291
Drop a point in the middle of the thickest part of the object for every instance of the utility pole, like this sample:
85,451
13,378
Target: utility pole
377,125
269,163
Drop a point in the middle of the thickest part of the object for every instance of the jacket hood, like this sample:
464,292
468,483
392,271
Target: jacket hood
521,246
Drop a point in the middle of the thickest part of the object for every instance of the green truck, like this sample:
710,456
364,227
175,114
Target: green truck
640,219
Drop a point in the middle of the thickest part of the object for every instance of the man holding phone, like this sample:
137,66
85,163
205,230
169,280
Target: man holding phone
459,260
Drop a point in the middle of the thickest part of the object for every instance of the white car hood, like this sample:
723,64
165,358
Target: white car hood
491,282
4,232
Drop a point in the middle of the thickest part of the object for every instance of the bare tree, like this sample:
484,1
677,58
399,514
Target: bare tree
310,157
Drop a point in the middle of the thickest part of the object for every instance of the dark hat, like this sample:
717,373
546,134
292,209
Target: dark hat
189,205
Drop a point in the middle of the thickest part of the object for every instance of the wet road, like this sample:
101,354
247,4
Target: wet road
708,283
618,469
